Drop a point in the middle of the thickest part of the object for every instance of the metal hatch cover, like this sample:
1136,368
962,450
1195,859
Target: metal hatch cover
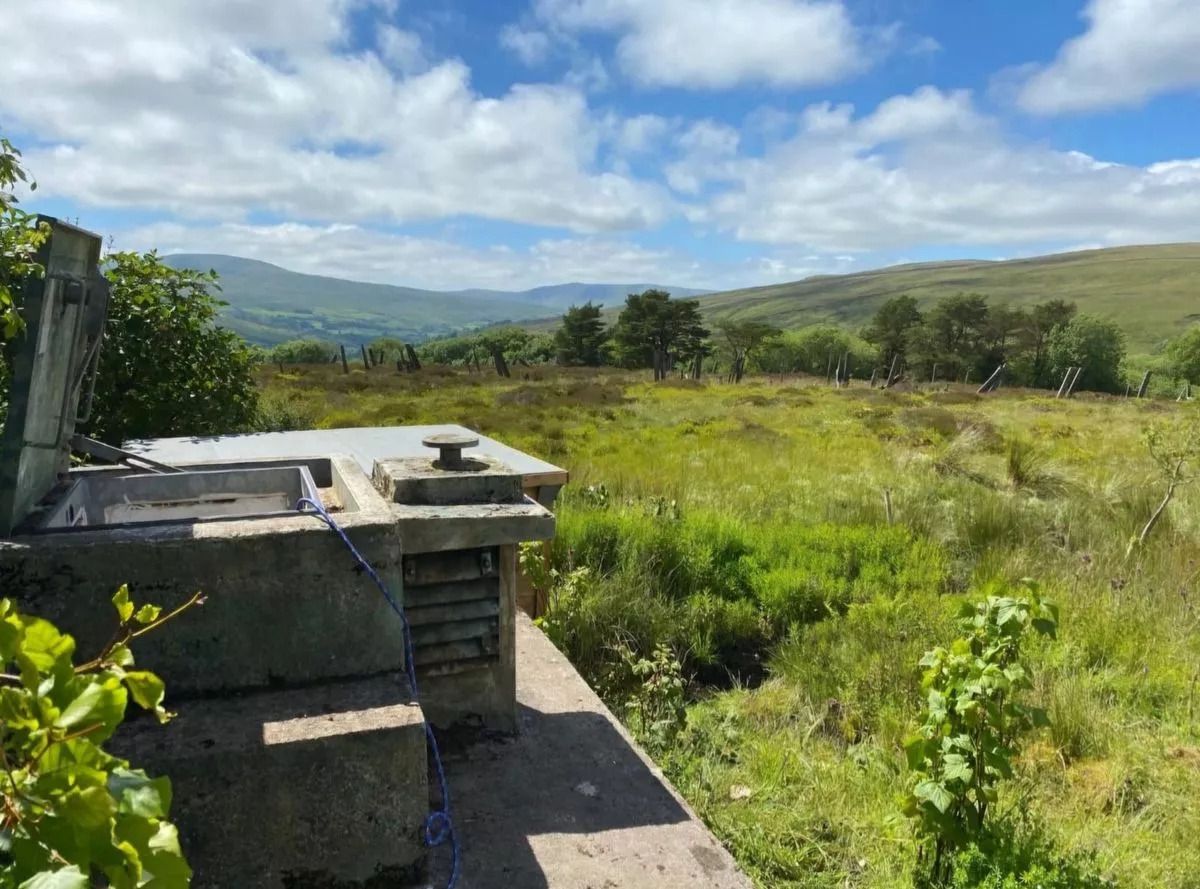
53,364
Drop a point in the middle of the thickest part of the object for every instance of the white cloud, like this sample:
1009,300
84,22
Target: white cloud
226,108
402,49
1131,51
530,45
587,73
641,134
721,43
371,255
927,169
926,111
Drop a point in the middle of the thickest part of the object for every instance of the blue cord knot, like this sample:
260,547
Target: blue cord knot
439,826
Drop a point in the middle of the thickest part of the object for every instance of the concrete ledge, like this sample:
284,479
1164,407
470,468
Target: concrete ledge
317,787
285,602
417,481
571,802
429,529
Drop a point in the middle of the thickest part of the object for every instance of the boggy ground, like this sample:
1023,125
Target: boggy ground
799,547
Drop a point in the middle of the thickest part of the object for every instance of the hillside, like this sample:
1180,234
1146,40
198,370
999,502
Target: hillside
268,304
1152,291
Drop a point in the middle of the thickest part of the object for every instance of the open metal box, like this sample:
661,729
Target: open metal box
102,501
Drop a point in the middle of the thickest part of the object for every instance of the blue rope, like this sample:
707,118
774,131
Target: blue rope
438,827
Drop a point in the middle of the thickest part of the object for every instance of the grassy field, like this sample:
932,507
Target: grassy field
798,548
1150,291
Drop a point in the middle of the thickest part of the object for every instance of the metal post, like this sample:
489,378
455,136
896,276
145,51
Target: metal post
1074,382
1063,386
1144,386
891,377
992,382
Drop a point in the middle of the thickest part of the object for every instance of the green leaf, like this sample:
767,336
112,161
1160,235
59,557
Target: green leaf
1008,610
956,767
915,752
89,808
148,614
935,794
139,794
44,646
121,656
122,603
11,634
66,878
147,689
101,703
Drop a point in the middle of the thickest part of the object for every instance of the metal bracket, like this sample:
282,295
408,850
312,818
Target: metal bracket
108,453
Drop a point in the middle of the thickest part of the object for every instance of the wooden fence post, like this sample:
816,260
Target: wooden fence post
1145,385
345,366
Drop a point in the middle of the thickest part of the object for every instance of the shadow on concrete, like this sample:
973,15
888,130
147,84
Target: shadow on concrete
565,778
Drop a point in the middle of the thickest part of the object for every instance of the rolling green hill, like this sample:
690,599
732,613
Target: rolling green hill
268,304
1152,291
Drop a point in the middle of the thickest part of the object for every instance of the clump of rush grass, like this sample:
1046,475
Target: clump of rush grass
1029,469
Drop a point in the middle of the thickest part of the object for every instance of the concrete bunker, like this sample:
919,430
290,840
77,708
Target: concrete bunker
294,711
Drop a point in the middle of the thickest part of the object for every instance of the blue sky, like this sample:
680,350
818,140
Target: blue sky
703,143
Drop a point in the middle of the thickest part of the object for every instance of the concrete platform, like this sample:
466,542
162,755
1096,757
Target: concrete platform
315,788
572,802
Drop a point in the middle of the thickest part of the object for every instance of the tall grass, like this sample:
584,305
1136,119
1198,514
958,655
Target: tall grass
745,527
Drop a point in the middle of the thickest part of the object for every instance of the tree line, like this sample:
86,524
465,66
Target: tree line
960,338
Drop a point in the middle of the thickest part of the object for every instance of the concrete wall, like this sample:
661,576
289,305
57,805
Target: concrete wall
285,603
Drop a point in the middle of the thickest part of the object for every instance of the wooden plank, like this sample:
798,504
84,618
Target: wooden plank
458,611
436,634
450,566
461,650
506,670
450,667
450,593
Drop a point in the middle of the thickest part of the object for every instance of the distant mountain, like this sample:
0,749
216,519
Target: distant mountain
268,304
1151,291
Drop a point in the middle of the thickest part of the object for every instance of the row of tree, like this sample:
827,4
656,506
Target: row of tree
963,337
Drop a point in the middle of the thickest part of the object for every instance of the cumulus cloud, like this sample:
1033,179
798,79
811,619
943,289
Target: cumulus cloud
721,43
922,113
402,49
1131,51
530,45
929,169
365,254
238,106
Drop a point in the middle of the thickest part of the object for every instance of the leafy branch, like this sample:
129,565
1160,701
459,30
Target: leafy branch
71,813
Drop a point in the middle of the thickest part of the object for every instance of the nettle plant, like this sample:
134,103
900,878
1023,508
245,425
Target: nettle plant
74,815
656,706
974,720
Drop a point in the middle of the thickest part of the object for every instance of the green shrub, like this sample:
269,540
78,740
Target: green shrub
973,722
1010,859
73,813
